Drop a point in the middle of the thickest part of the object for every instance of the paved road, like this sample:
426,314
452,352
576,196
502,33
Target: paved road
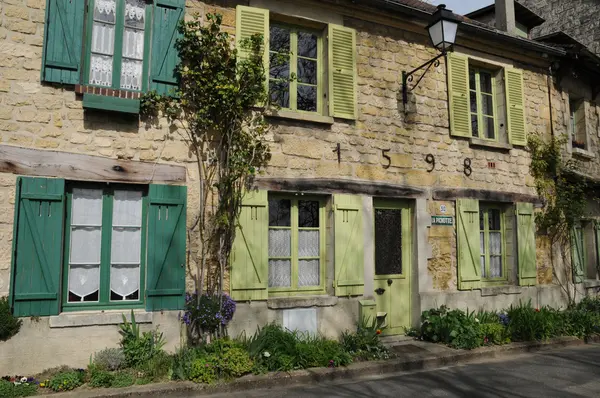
564,373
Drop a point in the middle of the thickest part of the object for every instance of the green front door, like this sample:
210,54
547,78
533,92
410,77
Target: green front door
392,265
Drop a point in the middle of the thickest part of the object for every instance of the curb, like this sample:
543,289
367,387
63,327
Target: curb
317,375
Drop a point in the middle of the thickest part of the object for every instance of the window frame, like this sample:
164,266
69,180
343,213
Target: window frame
293,69
484,207
104,302
118,46
478,93
577,105
294,289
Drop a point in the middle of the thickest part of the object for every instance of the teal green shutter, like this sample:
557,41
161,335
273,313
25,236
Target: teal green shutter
165,58
577,254
349,246
526,244
249,254
63,37
37,246
166,261
469,252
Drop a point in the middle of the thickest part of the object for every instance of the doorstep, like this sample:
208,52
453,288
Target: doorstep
425,359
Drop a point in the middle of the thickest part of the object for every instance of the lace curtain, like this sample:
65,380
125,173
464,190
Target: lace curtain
103,42
308,270
280,270
126,244
86,238
133,45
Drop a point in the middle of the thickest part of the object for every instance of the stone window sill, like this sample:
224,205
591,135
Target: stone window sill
477,142
498,290
280,303
591,283
97,318
301,116
582,153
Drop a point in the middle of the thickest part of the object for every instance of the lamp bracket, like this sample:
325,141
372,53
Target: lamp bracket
408,77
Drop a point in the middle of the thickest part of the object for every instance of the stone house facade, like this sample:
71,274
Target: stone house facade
368,207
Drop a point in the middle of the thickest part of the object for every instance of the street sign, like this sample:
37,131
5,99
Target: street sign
442,220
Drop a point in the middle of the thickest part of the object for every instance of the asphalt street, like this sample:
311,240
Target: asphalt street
573,372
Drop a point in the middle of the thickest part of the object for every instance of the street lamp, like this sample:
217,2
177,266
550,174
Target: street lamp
442,33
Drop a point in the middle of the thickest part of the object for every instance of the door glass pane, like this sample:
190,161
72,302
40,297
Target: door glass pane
308,214
280,212
85,245
388,241
494,219
308,273
308,243
280,273
126,245
495,243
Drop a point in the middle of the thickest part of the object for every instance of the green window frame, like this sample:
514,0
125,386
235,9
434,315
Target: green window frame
292,223
119,26
104,300
286,83
492,223
482,101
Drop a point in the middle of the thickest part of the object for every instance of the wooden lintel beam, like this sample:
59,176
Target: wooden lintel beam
480,194
74,166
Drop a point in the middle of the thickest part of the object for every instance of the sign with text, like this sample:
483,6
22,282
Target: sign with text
442,220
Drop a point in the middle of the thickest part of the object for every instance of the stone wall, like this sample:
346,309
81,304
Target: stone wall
578,18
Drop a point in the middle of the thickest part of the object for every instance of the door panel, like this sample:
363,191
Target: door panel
392,265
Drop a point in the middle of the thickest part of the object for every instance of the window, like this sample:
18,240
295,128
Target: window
294,64
491,240
482,103
84,246
295,244
577,123
117,36
104,250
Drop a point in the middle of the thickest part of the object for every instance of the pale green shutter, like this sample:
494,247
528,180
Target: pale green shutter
515,105
249,254
349,246
577,254
469,249
252,21
526,244
458,84
597,228
63,38
342,72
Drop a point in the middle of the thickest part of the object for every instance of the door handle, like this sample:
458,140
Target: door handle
380,291
390,281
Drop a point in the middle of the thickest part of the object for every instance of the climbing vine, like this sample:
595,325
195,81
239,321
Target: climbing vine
215,109
564,197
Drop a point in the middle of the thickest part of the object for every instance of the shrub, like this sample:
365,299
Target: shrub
591,304
9,324
494,333
158,367
11,390
488,317
182,362
138,347
581,322
531,324
66,381
364,344
110,359
204,370
100,378
122,379
453,327
207,313
319,352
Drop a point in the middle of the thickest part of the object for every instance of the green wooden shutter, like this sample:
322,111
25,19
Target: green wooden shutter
515,100
526,244
37,246
165,58
577,254
252,21
166,252
597,237
249,262
342,72
469,262
349,246
458,84
63,37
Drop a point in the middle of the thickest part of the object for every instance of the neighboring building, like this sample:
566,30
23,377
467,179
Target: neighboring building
367,206
524,22
579,19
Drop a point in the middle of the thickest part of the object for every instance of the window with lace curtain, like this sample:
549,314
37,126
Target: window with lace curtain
117,42
296,244
104,246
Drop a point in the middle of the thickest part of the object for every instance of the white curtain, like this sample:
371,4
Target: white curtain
495,254
308,246
126,243
103,42
280,245
133,45
280,273
86,239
